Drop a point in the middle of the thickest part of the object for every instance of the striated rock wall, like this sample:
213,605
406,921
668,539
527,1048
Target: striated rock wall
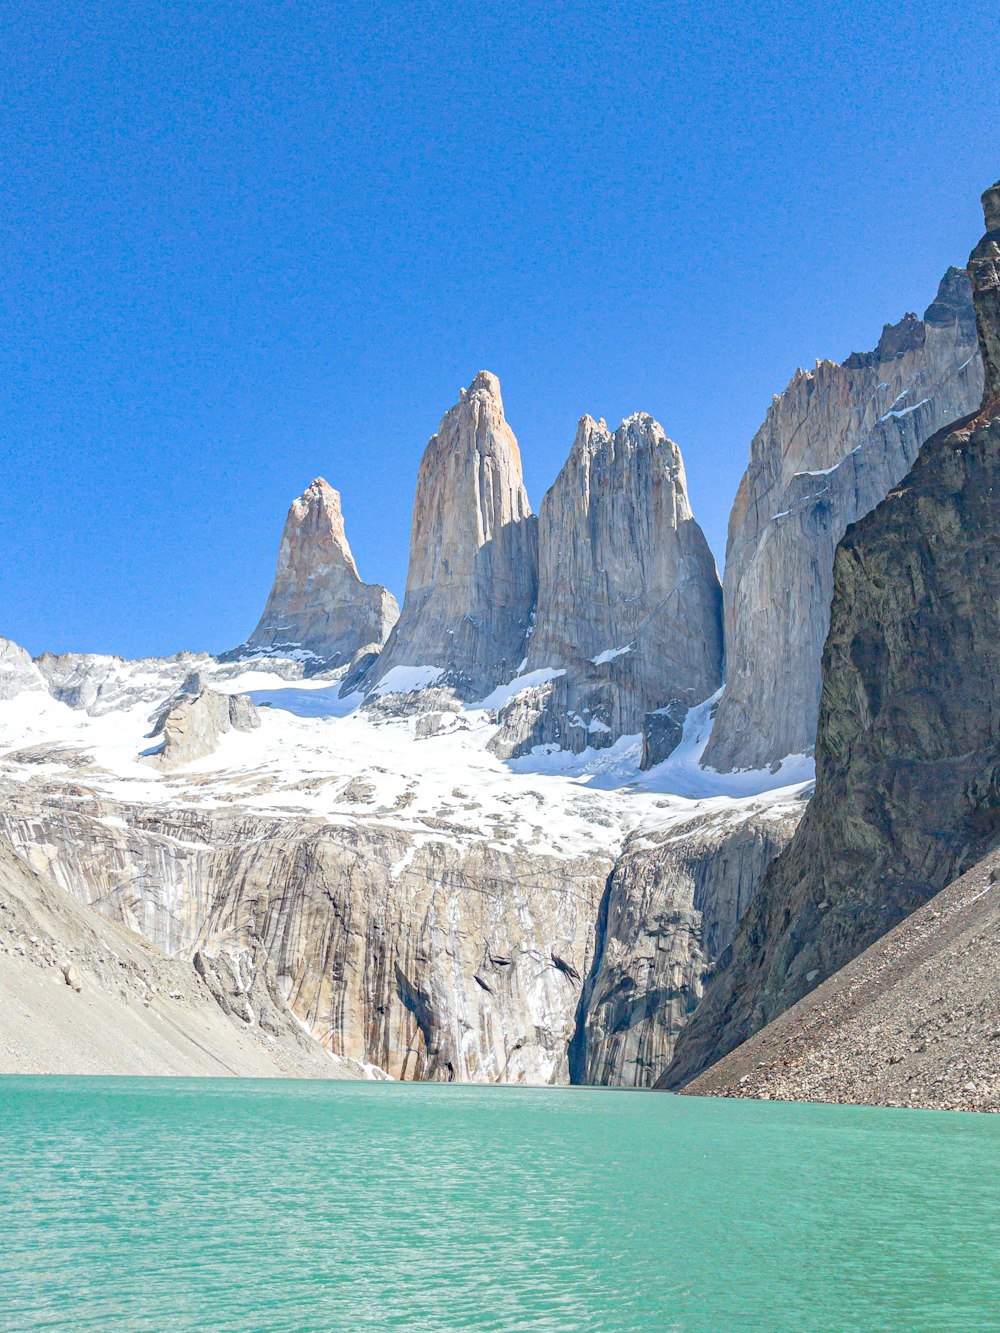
473,573
431,959
831,447
908,747
629,604
82,995
318,605
671,906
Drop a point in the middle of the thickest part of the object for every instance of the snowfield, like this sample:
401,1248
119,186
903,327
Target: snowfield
317,754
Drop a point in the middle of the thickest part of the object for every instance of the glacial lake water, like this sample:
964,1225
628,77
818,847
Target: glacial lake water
168,1204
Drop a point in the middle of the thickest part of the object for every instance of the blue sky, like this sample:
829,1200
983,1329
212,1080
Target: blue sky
245,245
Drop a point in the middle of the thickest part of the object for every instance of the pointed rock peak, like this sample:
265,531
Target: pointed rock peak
953,300
318,605
991,207
984,273
472,578
590,435
316,518
485,385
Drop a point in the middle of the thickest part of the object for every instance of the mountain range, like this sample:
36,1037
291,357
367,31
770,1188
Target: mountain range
553,819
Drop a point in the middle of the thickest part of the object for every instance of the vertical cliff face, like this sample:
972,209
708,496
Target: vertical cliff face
671,906
629,603
473,574
318,603
831,447
908,746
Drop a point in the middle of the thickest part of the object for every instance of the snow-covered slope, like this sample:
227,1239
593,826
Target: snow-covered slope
429,908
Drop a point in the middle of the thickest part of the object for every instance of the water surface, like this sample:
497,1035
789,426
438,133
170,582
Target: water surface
163,1204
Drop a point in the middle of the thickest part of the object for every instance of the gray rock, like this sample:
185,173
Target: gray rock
191,728
671,907
831,447
473,576
912,1021
17,671
629,603
72,977
662,732
907,750
99,685
430,959
318,607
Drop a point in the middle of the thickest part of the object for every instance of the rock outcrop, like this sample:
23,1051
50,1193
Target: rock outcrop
672,905
17,671
318,607
831,447
908,747
629,604
193,723
473,573
79,994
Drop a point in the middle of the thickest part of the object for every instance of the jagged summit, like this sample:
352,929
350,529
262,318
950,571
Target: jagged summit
472,576
485,383
830,448
629,604
318,604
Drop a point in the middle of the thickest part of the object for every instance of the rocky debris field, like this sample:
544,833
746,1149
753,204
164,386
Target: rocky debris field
912,1021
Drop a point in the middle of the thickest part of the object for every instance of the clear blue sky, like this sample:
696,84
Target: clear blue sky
247,244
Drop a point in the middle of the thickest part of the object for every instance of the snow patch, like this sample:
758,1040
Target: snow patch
504,693
407,680
610,654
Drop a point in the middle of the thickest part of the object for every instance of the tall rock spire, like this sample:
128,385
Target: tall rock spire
908,745
473,574
629,603
984,273
831,447
318,603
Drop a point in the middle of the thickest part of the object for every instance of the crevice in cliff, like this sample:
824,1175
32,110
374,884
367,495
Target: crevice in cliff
577,1050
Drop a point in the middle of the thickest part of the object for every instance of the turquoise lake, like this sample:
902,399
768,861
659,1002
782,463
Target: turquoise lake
168,1204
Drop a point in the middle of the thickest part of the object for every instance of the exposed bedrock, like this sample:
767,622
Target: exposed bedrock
82,995
914,1020
831,447
908,747
629,605
473,573
671,906
18,673
192,723
318,607
430,959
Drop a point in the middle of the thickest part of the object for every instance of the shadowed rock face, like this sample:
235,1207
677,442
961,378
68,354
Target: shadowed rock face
629,603
473,574
318,604
912,1021
831,447
908,747
671,907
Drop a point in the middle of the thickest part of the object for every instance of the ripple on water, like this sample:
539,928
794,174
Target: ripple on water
179,1205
